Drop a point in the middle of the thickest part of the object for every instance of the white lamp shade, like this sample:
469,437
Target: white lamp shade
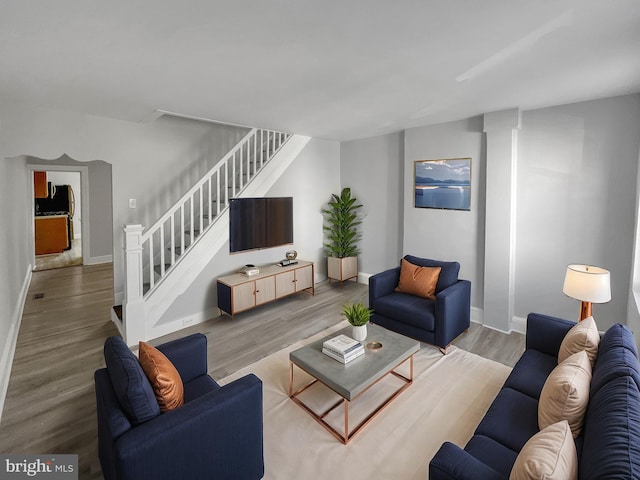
587,283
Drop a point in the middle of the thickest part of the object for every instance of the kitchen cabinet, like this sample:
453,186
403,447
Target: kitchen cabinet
40,188
238,292
51,234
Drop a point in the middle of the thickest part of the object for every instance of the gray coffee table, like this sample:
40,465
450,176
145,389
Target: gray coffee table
352,380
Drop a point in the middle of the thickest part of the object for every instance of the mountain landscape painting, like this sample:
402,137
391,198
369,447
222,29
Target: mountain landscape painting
443,183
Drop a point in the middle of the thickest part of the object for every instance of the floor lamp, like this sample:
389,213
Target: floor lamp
588,284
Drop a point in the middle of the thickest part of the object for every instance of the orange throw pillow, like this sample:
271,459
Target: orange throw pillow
419,281
163,376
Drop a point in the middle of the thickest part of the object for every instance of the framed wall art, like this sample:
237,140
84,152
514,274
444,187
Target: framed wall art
444,184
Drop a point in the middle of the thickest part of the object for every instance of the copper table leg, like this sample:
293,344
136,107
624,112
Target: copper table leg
347,435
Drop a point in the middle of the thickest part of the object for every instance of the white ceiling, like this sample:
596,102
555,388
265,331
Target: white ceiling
332,69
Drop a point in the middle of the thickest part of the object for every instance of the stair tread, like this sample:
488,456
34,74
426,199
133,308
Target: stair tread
157,268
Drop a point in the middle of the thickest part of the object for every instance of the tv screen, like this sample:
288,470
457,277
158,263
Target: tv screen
260,223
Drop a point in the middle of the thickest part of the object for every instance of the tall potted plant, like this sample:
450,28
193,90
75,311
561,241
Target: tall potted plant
341,247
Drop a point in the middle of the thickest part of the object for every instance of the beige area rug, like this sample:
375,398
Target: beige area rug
449,396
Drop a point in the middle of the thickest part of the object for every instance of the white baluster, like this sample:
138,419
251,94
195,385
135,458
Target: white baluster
210,200
191,220
261,147
255,153
173,239
233,176
201,215
182,232
247,174
218,192
241,162
152,279
162,251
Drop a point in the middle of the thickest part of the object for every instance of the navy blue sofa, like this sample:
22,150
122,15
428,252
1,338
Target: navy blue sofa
609,445
217,433
438,321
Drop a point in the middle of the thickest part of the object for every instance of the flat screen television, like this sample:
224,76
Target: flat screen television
260,223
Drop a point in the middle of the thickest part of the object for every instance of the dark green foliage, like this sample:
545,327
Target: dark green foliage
357,314
341,221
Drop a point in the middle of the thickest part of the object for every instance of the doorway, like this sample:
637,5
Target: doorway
59,219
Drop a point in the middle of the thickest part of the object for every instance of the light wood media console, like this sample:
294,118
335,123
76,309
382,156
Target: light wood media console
238,292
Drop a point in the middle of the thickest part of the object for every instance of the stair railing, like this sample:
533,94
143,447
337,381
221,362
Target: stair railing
167,240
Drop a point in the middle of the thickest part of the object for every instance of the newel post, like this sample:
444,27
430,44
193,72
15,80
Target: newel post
133,308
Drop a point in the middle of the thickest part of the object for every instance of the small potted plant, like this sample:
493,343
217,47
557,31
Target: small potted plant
358,316
342,220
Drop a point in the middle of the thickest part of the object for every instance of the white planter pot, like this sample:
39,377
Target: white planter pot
360,333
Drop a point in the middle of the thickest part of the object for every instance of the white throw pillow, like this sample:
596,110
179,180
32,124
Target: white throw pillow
549,454
565,394
583,335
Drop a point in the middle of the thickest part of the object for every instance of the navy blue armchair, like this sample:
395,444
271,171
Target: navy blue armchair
438,321
217,433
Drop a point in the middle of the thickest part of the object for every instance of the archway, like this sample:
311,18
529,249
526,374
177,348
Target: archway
95,205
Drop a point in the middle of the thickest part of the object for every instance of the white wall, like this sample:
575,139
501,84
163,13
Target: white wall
101,221
633,305
373,169
577,182
577,194
577,177
450,235
15,252
309,180
154,162
15,261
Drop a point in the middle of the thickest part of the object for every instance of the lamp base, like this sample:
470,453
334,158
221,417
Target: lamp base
585,310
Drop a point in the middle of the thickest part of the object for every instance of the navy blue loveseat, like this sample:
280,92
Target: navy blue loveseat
609,445
438,321
217,433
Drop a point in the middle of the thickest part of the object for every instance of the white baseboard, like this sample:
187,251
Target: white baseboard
496,329
118,298
118,323
515,325
9,348
518,324
98,260
476,315
364,278
184,322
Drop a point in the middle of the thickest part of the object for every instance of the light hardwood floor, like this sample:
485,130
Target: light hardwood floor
50,405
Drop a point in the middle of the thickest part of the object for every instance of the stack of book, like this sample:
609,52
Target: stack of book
342,348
